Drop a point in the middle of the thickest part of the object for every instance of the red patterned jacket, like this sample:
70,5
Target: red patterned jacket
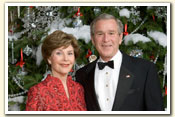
49,95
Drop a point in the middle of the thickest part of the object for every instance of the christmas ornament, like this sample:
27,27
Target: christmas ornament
152,58
139,25
97,10
13,61
17,94
135,15
89,53
39,18
18,79
21,62
125,33
92,58
161,11
136,53
11,31
27,50
18,7
31,7
78,13
77,22
29,18
11,16
45,16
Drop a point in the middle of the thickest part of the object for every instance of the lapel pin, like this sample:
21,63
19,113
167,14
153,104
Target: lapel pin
128,76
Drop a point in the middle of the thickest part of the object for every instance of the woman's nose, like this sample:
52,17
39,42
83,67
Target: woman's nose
65,57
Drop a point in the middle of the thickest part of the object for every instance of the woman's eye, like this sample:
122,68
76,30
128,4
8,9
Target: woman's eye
58,53
71,53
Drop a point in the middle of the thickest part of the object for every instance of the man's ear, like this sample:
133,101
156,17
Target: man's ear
120,38
92,39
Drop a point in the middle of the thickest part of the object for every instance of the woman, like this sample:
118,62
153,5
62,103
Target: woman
58,92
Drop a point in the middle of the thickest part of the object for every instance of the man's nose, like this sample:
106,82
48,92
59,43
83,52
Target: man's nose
106,37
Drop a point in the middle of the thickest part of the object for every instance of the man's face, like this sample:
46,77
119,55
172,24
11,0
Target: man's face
106,38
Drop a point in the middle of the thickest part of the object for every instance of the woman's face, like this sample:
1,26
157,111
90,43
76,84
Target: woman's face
62,60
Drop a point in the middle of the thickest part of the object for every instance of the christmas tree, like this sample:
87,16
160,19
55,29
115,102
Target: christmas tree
145,30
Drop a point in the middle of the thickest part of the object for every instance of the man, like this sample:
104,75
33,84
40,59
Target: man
116,81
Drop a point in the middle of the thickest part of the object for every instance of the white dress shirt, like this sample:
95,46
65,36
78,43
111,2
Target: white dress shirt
106,81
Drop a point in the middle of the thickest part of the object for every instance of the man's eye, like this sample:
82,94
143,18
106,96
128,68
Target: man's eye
111,33
99,33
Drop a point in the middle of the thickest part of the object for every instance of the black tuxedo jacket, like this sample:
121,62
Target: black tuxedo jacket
138,86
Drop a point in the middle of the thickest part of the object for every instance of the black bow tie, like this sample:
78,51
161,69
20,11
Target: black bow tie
101,65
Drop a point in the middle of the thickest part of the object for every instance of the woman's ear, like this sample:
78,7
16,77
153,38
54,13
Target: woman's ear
49,61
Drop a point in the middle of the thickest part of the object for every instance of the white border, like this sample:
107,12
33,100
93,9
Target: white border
87,112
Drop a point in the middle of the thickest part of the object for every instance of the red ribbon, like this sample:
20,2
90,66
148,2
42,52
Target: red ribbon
21,62
153,17
78,13
89,53
125,33
165,90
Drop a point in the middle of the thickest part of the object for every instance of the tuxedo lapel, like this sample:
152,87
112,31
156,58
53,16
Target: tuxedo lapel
125,81
91,96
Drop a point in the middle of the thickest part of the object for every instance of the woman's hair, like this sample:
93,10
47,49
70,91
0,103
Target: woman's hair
56,40
106,16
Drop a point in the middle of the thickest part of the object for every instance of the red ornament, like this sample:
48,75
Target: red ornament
78,13
89,53
152,57
125,33
31,7
21,62
11,31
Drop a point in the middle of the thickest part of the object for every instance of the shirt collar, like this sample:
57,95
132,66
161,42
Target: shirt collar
117,58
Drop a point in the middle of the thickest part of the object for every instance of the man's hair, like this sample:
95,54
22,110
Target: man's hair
106,16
